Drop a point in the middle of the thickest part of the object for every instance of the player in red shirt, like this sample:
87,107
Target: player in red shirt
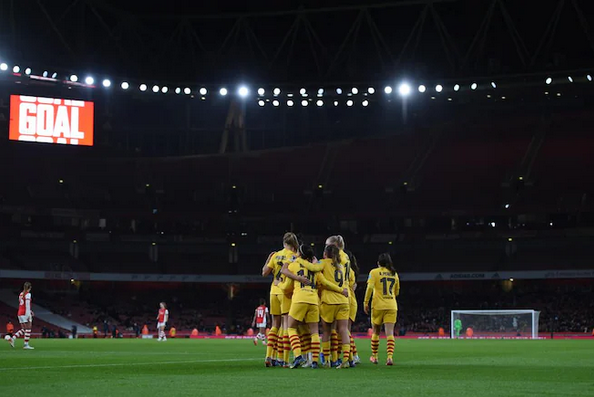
25,315
162,319
261,315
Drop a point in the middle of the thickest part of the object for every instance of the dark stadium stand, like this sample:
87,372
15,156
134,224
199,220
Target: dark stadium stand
438,196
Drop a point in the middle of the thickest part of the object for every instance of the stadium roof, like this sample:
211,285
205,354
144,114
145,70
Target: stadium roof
296,42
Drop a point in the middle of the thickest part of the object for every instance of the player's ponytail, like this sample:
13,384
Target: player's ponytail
385,260
27,286
306,252
290,240
340,242
332,252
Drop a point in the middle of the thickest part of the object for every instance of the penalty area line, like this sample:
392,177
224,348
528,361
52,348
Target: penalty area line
131,364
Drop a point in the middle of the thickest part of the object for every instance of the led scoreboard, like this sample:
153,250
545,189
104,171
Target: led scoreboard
51,120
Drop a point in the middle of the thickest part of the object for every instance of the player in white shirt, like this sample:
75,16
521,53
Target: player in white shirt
261,316
25,315
162,319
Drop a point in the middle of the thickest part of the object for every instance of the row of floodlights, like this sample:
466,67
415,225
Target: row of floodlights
404,89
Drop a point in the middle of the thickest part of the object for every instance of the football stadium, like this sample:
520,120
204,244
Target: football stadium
278,198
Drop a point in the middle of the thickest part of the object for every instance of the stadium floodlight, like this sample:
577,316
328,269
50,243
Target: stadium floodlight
290,103
3,66
223,91
350,102
261,91
404,89
45,73
320,103
303,92
388,89
16,69
142,87
371,90
506,206
355,90
339,91
28,71
106,83
178,90
243,91
155,88
54,75
304,102
365,103
439,88
548,81
276,91
203,91
457,87
164,90
320,91
261,102
275,103
335,103
473,86
89,80
422,88
570,79
589,77
187,91
73,78
495,324
125,85
493,84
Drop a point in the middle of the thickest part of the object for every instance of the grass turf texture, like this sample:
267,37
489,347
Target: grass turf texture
185,367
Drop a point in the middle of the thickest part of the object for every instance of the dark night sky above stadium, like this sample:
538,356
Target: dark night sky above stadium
225,41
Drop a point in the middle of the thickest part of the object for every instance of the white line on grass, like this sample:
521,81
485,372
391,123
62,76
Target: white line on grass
128,364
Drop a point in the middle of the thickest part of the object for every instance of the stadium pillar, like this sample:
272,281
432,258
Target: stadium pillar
234,126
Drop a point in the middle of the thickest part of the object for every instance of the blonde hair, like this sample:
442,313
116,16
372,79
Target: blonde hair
336,240
333,253
291,240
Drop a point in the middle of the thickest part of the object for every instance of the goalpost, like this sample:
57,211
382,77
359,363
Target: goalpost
495,324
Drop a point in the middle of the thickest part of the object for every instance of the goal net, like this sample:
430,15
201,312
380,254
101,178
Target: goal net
494,324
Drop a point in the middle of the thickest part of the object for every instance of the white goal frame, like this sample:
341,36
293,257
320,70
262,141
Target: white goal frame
534,314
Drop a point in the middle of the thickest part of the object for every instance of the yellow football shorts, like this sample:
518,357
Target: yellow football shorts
379,317
331,313
353,307
275,304
305,312
285,304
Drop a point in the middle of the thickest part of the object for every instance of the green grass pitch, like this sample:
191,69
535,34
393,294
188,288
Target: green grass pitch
184,367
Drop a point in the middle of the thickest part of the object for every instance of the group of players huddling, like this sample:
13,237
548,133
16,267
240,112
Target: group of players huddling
305,290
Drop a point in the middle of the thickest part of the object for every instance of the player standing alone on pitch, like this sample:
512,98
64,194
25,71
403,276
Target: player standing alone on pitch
260,320
162,319
25,315
457,327
383,283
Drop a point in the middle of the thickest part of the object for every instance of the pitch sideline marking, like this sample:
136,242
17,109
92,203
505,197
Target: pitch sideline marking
127,364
